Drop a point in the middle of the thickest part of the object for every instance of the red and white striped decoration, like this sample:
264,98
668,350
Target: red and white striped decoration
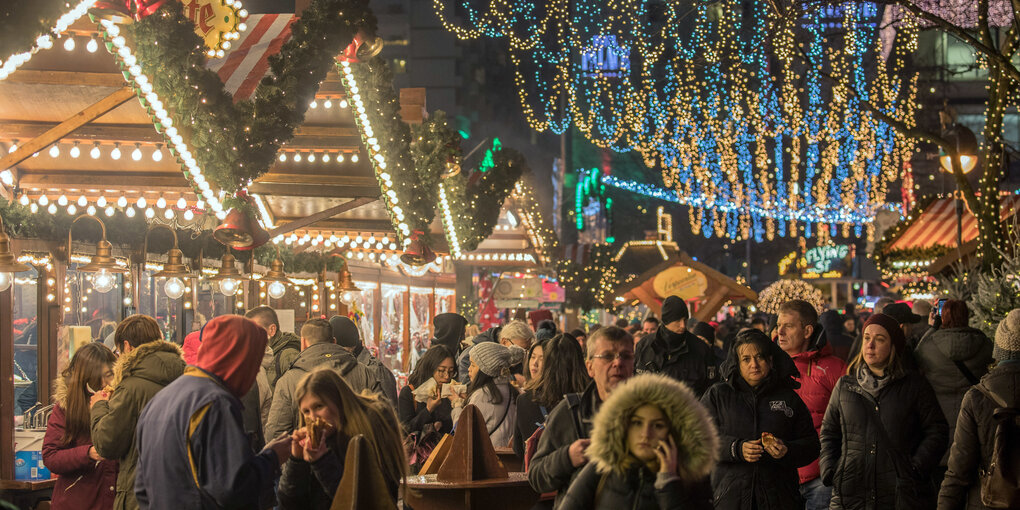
937,224
247,62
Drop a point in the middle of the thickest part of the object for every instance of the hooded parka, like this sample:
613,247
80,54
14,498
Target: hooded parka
137,377
283,415
616,480
192,449
449,331
820,370
82,483
937,354
741,414
975,437
856,462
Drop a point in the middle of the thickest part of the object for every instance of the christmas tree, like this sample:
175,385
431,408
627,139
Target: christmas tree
997,290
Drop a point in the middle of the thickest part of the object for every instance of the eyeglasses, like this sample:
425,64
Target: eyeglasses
610,357
446,371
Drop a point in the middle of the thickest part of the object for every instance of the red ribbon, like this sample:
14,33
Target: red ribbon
145,8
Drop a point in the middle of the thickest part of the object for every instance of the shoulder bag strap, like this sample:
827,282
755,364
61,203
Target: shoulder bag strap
505,413
991,395
966,372
573,405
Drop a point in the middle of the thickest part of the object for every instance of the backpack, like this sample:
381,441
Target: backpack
1000,481
531,444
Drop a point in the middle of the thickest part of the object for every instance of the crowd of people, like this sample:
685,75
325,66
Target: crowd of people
798,410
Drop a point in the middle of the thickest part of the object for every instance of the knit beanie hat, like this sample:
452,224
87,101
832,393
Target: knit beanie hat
1007,338
704,329
674,309
899,340
495,360
345,332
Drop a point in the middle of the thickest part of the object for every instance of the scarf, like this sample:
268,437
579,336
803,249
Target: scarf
870,382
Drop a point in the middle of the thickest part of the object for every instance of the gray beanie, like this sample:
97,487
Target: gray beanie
495,360
1007,338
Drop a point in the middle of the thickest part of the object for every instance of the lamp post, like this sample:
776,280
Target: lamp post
962,145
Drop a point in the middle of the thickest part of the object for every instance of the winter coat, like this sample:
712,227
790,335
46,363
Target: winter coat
311,485
284,411
137,377
975,437
500,419
530,416
857,464
415,415
742,413
684,357
614,479
834,334
819,371
936,355
194,453
550,469
82,483
286,348
387,381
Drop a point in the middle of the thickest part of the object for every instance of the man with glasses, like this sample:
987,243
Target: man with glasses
676,352
560,453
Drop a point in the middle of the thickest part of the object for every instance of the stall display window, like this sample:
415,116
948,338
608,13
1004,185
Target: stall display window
26,341
175,321
421,319
362,308
391,337
446,301
89,314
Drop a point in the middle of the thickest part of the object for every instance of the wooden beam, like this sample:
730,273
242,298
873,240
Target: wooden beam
114,181
29,76
7,384
321,215
348,224
711,305
65,128
313,190
648,298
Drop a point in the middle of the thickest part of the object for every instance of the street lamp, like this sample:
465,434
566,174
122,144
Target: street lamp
8,262
964,143
102,263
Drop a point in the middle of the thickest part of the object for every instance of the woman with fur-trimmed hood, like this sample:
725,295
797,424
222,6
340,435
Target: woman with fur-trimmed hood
652,447
756,398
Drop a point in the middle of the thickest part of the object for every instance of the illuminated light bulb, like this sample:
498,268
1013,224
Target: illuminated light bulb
283,157
130,212
327,104
161,203
188,215
115,153
340,158
95,153
241,27
229,286
314,104
6,279
181,203
276,290
103,281
24,200
43,201
168,214
122,202
149,213
157,154
62,201
174,288
91,210
225,45
69,43
101,202
297,157
311,158
52,209
75,150
137,153
354,158
343,103
92,45
82,201
54,151
33,207
141,203
220,53
109,211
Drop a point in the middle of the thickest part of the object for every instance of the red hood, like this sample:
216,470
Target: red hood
232,349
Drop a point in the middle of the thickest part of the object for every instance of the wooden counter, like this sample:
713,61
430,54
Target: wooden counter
424,492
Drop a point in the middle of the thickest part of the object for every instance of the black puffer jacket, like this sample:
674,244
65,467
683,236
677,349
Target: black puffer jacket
857,463
684,357
550,469
741,414
975,435
936,355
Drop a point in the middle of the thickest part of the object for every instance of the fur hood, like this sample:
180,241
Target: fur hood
695,435
60,392
128,363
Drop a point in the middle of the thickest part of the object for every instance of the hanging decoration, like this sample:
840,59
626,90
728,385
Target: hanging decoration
773,296
743,110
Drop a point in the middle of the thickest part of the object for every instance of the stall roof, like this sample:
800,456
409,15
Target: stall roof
936,226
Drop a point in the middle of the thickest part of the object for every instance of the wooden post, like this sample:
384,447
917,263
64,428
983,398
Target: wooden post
7,385
406,330
47,323
432,310
377,312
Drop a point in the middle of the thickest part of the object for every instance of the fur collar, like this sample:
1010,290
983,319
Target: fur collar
128,362
696,436
60,392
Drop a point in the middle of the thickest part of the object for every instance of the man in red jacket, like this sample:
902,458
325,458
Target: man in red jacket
802,338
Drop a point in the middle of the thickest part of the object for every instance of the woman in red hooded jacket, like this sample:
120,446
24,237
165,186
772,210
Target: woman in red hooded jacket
85,481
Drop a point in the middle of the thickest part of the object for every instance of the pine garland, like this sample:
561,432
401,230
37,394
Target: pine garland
25,21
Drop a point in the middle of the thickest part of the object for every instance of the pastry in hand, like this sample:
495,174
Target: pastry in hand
769,441
316,429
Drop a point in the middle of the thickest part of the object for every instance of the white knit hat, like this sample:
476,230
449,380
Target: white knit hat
1007,338
495,360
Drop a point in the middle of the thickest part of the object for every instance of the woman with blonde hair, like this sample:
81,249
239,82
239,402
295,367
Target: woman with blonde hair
84,479
328,404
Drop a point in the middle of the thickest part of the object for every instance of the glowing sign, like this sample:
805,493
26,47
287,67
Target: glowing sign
822,259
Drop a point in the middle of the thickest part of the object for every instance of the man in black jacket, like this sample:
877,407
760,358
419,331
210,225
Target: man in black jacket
676,352
560,453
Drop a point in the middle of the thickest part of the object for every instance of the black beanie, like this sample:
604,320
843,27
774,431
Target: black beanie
704,329
345,331
674,309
